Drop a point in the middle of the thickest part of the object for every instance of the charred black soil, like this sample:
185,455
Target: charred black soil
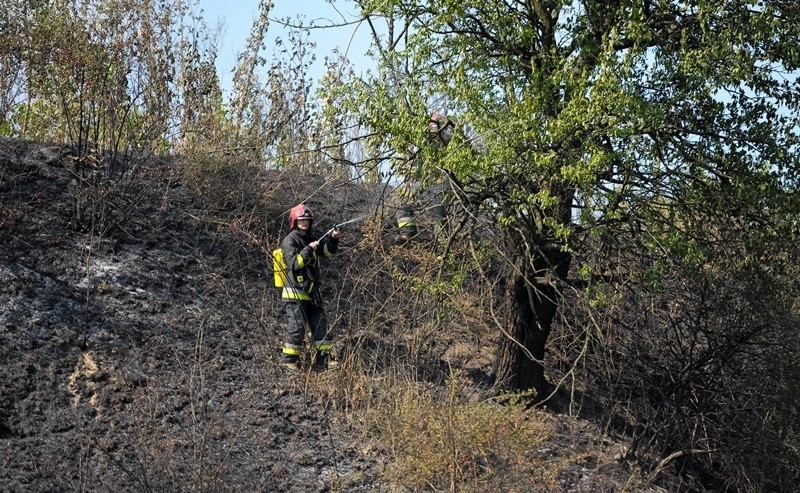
140,338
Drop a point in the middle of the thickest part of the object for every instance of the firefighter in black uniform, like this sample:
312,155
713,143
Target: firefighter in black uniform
431,199
301,251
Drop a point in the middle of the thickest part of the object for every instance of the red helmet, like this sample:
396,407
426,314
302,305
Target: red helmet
437,121
300,211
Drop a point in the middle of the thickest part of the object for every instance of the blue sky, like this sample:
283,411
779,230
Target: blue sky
238,15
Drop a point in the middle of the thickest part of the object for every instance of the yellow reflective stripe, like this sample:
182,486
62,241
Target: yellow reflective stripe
403,224
294,294
322,346
292,351
300,261
327,252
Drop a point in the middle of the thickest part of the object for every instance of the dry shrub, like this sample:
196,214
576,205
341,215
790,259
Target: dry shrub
440,441
228,185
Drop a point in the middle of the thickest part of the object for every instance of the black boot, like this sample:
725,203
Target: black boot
324,361
290,362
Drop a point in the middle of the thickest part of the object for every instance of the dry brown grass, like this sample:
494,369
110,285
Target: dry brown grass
433,438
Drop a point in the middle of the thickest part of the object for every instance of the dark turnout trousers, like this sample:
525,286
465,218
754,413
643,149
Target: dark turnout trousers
299,315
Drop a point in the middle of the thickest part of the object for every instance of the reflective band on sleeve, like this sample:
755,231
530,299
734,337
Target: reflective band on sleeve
301,262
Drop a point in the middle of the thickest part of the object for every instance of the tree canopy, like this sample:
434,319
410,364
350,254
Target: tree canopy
640,161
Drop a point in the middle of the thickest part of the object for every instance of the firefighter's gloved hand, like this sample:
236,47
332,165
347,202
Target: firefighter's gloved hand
314,245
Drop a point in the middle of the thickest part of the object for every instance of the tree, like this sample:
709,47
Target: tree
664,129
590,115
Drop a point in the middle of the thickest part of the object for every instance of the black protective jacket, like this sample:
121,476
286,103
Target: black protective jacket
302,261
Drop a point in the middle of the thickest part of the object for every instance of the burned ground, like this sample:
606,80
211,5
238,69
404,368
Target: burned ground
146,358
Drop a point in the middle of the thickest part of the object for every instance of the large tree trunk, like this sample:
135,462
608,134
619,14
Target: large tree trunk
532,304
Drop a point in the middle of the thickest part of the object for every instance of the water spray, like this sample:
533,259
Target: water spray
349,221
